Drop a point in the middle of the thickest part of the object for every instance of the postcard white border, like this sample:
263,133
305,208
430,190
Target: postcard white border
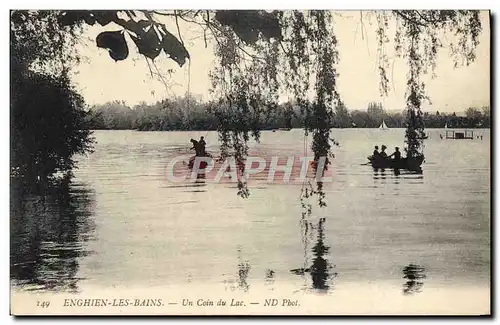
255,4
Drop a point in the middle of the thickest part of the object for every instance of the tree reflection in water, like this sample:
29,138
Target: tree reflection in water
320,270
240,283
270,279
49,229
243,270
415,275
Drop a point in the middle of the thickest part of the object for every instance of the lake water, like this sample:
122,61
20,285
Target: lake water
123,224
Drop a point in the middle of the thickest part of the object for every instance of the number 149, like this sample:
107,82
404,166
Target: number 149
43,304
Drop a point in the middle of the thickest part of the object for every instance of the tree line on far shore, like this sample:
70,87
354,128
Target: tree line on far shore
191,113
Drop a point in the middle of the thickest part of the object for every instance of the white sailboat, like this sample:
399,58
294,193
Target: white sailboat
446,125
383,126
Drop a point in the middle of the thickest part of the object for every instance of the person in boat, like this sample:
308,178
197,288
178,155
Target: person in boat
396,155
376,155
202,145
199,149
195,145
383,154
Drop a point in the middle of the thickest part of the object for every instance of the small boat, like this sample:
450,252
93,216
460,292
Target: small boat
284,129
412,164
383,126
203,163
446,125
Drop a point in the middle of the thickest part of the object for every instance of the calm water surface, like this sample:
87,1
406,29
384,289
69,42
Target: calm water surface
124,222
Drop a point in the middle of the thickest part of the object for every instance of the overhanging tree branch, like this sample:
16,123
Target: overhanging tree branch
409,19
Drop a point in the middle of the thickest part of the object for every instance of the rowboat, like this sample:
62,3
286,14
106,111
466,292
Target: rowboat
203,163
411,164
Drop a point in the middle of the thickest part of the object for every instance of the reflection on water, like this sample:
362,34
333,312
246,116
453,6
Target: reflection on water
321,270
48,234
241,282
243,269
415,275
270,279
383,174
198,186
379,173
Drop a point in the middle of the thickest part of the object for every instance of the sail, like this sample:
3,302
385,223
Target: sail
383,125
446,126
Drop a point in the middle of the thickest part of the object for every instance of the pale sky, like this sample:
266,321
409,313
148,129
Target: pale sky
101,79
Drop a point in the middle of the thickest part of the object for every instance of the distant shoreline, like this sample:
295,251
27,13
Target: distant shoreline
281,131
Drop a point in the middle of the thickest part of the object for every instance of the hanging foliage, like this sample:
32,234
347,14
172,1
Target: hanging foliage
115,43
149,35
261,55
418,39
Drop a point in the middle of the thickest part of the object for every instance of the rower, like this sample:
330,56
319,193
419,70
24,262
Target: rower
396,154
202,145
197,147
383,154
